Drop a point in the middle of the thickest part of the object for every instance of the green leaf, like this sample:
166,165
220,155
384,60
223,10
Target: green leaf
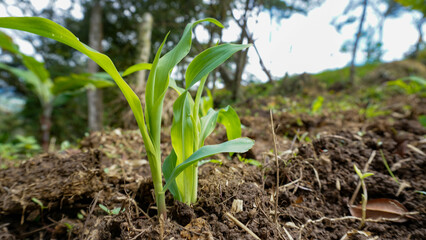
238,145
208,124
358,172
416,79
37,68
7,43
182,132
208,60
206,103
168,166
173,85
38,202
226,116
152,111
41,90
137,67
76,82
103,207
49,29
159,82
182,135
422,120
116,211
317,104
366,175
69,226
229,118
25,75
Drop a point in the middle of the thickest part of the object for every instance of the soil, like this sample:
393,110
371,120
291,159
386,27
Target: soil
316,182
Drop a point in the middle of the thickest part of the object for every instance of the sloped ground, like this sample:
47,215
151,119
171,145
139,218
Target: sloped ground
316,182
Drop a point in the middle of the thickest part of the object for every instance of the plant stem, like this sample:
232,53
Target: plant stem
364,203
195,184
161,203
158,183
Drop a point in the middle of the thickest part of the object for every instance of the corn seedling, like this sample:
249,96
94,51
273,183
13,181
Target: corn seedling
42,207
249,161
364,195
70,227
114,211
188,130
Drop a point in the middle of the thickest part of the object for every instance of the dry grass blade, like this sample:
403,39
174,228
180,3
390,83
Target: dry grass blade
241,225
277,165
382,208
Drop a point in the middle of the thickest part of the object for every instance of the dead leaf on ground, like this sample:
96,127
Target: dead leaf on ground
382,208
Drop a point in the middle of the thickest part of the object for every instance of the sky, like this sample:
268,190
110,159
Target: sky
302,43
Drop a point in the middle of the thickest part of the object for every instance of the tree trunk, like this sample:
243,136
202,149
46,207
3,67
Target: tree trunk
355,48
419,26
46,124
241,63
380,40
241,55
144,48
94,96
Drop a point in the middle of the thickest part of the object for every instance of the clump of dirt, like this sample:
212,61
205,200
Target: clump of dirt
49,186
50,178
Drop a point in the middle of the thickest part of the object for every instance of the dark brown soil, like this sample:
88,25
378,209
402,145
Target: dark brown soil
317,179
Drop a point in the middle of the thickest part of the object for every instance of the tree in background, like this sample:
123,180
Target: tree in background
392,10
144,49
353,4
372,35
417,6
94,96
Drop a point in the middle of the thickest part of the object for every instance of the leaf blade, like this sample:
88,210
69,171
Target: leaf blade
208,60
168,166
137,67
238,145
229,118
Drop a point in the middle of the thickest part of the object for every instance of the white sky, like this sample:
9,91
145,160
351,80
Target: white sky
295,45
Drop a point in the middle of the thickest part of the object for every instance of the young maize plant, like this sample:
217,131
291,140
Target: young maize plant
188,130
48,91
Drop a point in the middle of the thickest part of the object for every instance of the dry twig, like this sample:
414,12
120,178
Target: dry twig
278,167
241,225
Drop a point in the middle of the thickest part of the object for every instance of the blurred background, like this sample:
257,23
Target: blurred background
299,47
